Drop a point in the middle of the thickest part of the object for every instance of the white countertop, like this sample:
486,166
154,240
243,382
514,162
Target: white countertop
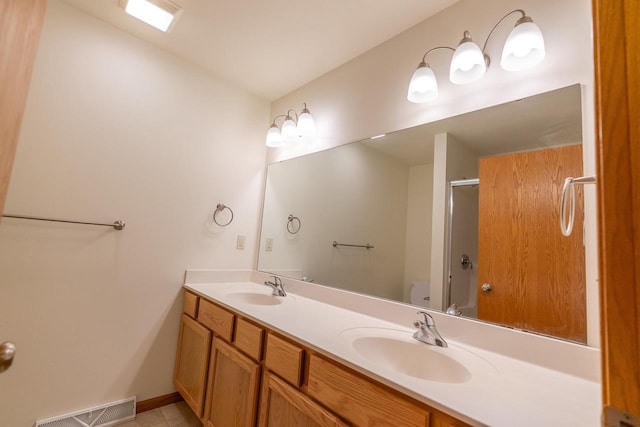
502,391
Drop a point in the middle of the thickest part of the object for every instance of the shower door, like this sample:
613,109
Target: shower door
462,256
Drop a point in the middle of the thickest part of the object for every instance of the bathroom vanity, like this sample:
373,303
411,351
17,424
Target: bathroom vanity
248,358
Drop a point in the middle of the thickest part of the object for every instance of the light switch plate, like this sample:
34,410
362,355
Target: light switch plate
268,246
240,242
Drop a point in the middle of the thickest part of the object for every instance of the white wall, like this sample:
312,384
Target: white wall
344,195
454,161
417,265
367,96
116,129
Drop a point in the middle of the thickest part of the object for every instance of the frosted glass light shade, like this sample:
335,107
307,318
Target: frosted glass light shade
274,138
306,124
468,63
423,86
524,47
289,129
149,13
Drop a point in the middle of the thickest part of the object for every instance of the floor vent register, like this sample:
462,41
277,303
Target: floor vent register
105,415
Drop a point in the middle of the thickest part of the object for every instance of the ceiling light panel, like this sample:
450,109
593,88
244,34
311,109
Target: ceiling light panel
160,14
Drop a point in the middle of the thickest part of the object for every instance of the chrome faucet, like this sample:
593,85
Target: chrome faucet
278,288
427,332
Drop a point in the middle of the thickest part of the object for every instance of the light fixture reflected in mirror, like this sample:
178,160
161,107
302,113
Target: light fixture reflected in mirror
302,127
524,48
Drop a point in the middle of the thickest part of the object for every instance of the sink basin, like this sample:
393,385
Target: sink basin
254,298
397,352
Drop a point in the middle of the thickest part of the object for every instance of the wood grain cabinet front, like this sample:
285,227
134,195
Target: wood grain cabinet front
283,406
284,358
249,338
190,305
216,318
232,391
218,371
192,362
359,400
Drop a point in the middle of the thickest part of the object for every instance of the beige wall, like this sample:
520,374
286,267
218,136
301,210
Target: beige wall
116,129
417,265
454,162
367,95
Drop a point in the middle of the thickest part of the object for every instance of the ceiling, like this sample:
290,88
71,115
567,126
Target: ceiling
546,120
272,47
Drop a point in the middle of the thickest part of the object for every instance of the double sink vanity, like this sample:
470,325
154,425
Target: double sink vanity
323,356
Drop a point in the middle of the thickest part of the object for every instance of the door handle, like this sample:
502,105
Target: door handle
7,352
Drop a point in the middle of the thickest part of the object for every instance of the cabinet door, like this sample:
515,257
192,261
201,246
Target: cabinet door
232,391
192,361
283,406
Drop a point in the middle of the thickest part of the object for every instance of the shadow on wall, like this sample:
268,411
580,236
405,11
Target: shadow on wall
151,357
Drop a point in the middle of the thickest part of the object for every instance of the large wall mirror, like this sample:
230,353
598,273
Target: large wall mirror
459,215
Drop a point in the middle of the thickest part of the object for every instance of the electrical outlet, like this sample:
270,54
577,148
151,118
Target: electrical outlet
268,246
240,242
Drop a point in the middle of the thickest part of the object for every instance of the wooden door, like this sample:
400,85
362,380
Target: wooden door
20,27
283,406
232,391
617,65
192,362
537,275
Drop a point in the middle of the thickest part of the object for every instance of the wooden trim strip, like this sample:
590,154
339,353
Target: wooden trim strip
616,82
157,402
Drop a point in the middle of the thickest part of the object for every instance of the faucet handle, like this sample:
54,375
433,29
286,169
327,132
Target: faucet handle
428,320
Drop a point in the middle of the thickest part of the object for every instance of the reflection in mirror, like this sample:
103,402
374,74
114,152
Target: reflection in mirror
460,214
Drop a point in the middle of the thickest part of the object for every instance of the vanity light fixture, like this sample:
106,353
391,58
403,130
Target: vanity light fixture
524,48
160,14
302,126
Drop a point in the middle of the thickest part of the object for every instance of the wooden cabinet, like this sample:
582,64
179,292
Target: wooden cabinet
232,393
192,361
282,405
285,359
228,367
359,400
216,318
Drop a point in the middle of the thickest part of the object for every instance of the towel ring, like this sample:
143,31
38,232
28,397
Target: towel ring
569,195
291,227
221,207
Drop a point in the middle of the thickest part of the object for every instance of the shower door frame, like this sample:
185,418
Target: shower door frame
447,268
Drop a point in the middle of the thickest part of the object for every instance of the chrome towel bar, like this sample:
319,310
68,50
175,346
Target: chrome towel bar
367,246
117,225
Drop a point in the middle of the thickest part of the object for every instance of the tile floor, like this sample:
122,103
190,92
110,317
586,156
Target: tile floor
174,415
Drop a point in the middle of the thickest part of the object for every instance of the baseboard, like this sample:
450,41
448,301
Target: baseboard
156,402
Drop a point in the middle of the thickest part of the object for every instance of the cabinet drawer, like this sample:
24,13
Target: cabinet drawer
285,359
359,400
219,320
190,305
249,338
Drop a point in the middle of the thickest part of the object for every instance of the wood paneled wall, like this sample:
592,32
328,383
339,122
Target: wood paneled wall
20,27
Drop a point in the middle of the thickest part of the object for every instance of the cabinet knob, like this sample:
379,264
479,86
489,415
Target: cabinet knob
486,287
